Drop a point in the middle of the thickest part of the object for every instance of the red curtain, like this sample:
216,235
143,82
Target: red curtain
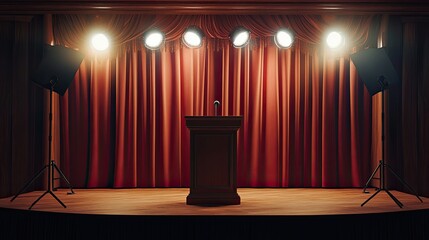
409,153
307,117
21,104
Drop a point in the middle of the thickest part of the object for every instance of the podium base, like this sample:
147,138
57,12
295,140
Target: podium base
215,199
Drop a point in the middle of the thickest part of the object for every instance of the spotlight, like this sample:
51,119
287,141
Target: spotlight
240,37
193,37
284,38
334,40
100,42
153,39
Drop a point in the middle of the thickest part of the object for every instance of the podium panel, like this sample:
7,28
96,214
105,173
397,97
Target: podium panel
213,159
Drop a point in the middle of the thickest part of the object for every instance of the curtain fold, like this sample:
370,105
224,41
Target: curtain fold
306,116
21,119
413,163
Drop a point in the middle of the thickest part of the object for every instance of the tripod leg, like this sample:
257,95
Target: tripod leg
373,195
372,176
404,183
64,177
40,197
29,182
394,199
53,195
53,176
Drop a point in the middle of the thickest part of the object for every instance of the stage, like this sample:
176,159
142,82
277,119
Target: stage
264,213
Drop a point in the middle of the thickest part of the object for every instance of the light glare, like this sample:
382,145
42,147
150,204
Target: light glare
154,40
334,40
283,39
192,38
241,39
100,42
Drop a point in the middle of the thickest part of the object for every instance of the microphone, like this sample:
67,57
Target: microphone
216,104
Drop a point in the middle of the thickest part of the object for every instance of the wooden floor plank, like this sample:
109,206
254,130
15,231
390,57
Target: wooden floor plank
254,201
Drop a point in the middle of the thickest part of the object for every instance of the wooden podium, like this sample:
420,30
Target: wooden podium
213,159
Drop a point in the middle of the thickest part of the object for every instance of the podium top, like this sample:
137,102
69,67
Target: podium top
213,121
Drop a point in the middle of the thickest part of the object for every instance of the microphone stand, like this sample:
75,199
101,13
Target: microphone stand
216,104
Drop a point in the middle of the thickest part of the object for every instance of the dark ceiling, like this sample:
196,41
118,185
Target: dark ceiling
419,7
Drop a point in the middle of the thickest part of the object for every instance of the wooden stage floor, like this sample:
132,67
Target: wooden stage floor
254,201
264,213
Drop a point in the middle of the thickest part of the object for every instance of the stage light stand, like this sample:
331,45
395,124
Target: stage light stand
382,166
51,166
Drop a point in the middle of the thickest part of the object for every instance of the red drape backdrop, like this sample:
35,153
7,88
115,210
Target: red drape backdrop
21,102
307,117
410,154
